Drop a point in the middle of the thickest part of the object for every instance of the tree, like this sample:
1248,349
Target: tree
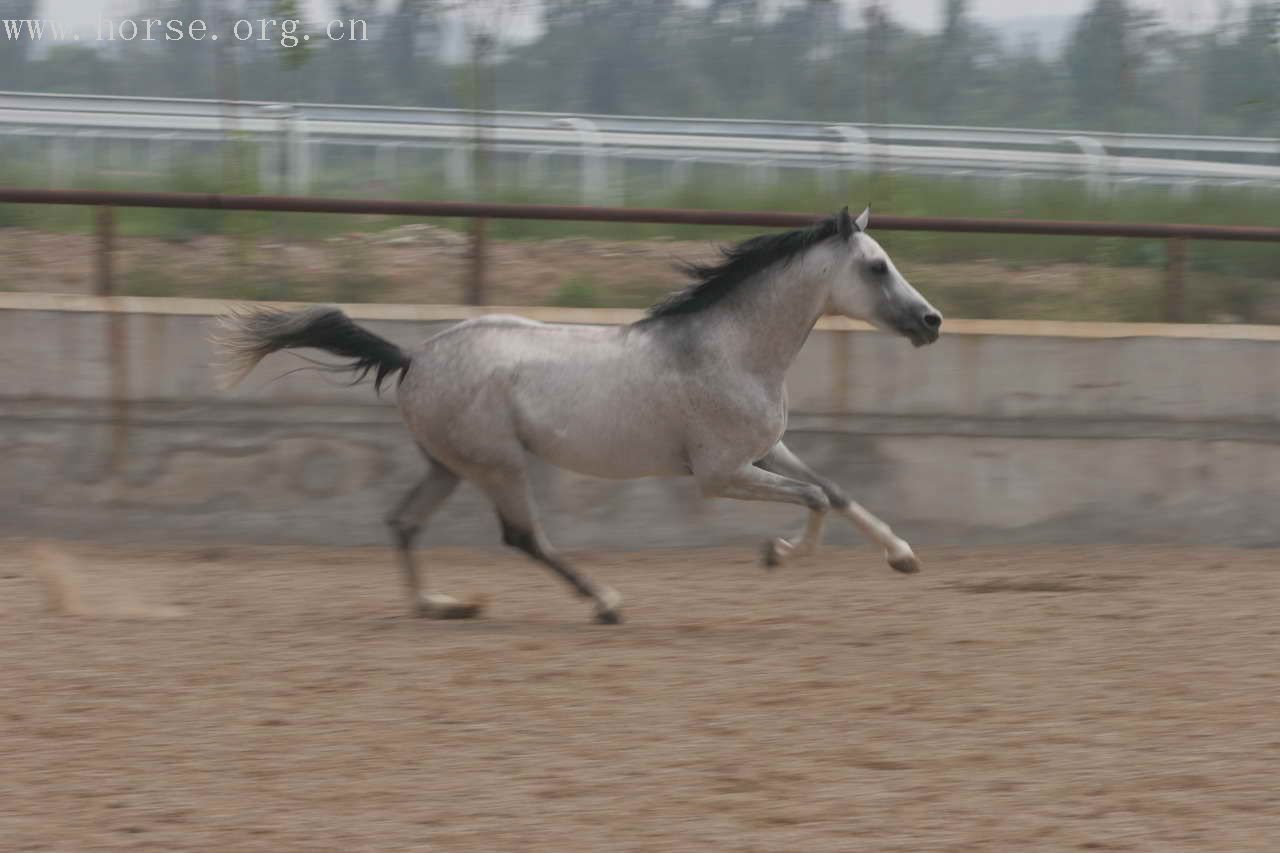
1105,60
14,54
954,65
783,59
412,28
1259,71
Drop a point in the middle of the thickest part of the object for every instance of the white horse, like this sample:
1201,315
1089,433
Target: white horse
695,389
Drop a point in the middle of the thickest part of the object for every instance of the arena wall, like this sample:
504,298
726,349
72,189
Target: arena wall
112,427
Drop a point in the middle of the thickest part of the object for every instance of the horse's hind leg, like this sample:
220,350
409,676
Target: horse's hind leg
508,488
406,522
780,460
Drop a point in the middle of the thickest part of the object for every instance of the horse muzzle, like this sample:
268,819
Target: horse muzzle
921,328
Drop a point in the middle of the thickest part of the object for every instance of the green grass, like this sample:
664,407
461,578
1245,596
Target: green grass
584,291
578,292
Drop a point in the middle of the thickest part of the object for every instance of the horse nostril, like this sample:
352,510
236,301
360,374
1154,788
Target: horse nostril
933,319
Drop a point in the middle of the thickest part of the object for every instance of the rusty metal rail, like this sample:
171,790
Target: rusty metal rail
1174,234
582,213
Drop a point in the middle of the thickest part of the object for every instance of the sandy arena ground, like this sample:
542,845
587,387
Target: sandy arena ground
1004,700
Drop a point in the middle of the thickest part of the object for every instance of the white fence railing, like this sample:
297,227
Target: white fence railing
291,133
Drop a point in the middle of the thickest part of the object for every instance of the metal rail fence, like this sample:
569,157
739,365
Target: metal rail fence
1175,236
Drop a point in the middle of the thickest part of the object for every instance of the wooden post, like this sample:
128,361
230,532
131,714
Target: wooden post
1175,279
103,284
475,288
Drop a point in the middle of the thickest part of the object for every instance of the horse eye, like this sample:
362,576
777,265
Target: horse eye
879,267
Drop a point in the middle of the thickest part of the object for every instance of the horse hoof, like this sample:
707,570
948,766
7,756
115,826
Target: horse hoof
609,617
775,553
437,606
769,557
908,565
608,606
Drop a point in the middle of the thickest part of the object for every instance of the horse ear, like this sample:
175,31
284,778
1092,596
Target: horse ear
844,223
863,218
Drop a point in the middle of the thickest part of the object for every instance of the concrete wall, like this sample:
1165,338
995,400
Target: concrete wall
111,427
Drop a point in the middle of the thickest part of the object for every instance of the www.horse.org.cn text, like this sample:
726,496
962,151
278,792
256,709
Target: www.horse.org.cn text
286,33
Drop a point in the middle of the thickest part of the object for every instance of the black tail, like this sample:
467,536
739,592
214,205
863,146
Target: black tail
248,337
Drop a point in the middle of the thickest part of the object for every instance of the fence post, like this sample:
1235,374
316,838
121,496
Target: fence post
475,287
1174,280
117,339
105,216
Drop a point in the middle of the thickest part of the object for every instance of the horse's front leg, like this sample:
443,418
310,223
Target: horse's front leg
781,460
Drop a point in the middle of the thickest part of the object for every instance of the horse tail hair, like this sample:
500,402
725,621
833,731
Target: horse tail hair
246,337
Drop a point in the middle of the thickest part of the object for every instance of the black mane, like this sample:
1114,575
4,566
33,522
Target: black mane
713,282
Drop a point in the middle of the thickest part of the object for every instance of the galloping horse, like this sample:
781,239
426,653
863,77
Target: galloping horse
694,389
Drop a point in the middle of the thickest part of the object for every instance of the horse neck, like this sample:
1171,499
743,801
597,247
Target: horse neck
768,323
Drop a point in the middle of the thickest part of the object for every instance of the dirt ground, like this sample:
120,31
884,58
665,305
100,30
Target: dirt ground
1005,699
423,264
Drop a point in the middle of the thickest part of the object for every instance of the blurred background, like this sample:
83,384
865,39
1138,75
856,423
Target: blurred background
1107,110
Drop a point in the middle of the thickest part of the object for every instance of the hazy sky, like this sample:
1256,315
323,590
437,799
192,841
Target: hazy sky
921,14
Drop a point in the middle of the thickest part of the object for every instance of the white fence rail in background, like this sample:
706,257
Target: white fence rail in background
291,134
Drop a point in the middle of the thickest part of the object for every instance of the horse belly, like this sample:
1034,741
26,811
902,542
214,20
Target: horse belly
601,442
